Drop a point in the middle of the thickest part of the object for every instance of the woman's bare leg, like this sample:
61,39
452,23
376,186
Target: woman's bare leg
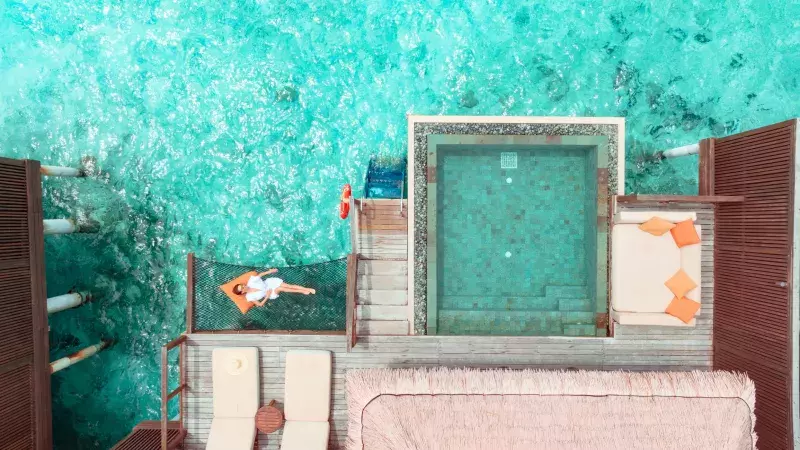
294,289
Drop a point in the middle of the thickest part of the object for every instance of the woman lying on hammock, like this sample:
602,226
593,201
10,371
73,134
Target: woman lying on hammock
260,290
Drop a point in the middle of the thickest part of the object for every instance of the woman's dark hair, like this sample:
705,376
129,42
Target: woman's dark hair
238,289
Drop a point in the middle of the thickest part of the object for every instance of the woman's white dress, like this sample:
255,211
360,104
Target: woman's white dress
262,286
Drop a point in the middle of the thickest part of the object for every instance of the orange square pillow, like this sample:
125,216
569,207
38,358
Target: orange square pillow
656,226
685,234
680,283
240,300
683,308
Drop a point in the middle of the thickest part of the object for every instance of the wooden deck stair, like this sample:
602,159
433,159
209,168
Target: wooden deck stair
382,300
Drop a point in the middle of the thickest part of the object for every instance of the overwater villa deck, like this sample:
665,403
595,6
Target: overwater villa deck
379,344
402,314
747,321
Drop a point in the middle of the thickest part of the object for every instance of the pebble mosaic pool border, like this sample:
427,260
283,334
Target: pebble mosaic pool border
537,133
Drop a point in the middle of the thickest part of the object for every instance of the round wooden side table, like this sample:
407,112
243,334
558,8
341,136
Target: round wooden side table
269,419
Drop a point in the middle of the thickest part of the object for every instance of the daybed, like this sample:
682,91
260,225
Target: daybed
640,265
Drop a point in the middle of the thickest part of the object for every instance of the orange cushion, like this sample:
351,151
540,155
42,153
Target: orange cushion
683,308
240,300
657,226
680,283
685,234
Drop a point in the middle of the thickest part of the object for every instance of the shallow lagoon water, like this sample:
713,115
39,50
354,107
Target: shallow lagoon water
228,127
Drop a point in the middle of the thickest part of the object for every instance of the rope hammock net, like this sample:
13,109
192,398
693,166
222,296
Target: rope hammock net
323,311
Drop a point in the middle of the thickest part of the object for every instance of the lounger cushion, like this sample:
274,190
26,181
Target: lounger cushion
239,300
643,216
299,435
308,385
680,283
652,319
656,226
683,308
685,234
691,263
641,263
231,434
235,382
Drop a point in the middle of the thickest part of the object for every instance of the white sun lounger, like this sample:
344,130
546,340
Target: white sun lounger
236,397
307,400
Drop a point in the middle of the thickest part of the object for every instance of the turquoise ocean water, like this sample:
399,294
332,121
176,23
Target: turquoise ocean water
228,127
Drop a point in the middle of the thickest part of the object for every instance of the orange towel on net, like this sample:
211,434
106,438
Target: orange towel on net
240,300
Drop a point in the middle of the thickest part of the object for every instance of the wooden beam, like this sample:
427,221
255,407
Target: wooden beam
627,199
352,289
43,415
286,332
190,293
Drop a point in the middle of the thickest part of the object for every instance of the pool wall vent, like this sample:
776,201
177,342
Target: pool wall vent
508,160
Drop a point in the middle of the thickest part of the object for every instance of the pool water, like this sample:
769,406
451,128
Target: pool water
228,127
515,245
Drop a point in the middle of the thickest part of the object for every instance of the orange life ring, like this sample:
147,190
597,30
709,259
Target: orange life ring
344,204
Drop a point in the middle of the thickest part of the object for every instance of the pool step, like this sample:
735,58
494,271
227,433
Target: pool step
382,327
566,292
379,267
382,312
515,303
382,297
382,300
517,323
384,282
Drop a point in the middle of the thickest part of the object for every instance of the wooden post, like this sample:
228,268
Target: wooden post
166,396
63,363
190,293
68,226
706,167
691,149
67,301
59,226
56,171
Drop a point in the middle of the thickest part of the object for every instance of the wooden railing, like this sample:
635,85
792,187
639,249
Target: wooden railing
167,396
679,198
352,276
352,289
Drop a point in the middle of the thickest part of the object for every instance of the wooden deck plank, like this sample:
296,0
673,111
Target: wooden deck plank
382,327
382,297
381,312
368,267
382,282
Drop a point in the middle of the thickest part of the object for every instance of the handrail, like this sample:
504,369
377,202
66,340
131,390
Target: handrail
354,224
679,198
352,289
402,190
167,396
190,293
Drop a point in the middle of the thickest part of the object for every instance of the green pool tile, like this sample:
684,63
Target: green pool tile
578,318
584,304
580,330
512,256
567,291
